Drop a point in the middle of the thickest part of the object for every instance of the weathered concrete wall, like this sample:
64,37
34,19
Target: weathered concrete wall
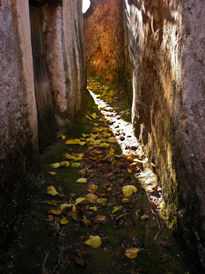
105,40
18,119
167,48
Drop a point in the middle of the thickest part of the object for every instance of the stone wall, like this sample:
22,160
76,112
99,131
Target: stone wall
18,119
167,50
105,40
47,74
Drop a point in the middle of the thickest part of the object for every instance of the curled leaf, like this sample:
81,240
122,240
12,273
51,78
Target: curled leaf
132,253
94,241
144,217
82,180
128,190
52,191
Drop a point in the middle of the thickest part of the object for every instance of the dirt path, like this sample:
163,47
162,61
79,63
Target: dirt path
132,237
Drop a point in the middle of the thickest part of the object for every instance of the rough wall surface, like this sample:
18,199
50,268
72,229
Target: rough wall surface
105,39
57,44
167,50
18,119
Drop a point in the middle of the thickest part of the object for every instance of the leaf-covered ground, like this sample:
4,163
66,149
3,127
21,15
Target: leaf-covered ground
92,215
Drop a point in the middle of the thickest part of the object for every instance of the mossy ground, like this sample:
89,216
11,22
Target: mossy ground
45,246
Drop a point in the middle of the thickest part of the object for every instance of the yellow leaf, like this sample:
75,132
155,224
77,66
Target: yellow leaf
64,221
79,200
55,165
94,115
129,170
105,145
64,163
55,211
75,164
92,188
74,208
115,209
111,152
102,201
52,191
52,202
73,142
94,241
128,190
82,180
82,143
112,140
63,137
52,173
79,157
132,253
125,200
101,219
89,117
93,208
64,205
91,198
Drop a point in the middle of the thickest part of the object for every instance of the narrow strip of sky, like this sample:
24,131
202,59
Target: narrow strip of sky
86,5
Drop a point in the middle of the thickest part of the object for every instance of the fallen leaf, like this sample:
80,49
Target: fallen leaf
64,221
52,191
92,188
55,211
50,218
115,209
64,163
94,241
79,200
52,173
129,190
100,219
73,142
102,201
144,217
52,202
132,253
104,145
82,180
112,140
125,200
55,165
93,208
86,221
75,164
80,261
91,198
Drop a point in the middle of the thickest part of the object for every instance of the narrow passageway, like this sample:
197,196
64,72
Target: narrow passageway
89,212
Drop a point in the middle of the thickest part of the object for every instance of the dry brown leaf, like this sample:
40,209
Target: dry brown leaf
91,198
92,188
100,219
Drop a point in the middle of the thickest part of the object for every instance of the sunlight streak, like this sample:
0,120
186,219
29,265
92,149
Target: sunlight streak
124,134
